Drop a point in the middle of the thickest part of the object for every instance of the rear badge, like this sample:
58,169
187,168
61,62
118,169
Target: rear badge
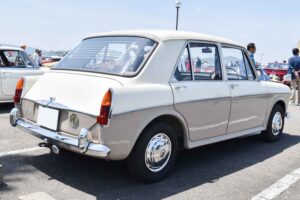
74,121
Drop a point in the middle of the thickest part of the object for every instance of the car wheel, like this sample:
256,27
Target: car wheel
154,153
275,125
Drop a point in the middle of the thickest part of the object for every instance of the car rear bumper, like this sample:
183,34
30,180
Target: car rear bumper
78,145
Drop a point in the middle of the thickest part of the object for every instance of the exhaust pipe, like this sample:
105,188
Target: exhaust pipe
55,149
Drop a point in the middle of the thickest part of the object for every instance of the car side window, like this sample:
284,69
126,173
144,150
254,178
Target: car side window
20,60
250,72
183,70
28,62
235,64
12,59
205,61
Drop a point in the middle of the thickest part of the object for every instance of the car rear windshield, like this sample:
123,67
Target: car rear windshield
121,56
278,66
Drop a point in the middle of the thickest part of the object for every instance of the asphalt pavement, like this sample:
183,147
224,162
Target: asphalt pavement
243,168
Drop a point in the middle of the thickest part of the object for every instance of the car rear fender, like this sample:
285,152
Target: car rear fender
29,81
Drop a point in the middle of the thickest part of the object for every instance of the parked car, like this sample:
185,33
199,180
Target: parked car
50,59
276,71
14,64
137,96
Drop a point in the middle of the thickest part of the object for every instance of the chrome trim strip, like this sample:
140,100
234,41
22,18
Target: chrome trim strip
266,95
208,99
65,142
227,136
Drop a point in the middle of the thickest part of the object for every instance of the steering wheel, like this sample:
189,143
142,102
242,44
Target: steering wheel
235,72
232,69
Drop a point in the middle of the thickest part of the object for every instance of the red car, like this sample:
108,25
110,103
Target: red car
276,71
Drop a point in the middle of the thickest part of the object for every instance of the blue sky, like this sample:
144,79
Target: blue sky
60,24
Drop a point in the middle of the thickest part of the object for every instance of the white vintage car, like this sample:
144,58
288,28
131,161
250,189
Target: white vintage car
143,95
14,64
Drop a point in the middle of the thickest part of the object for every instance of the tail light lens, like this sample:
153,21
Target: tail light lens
103,118
19,89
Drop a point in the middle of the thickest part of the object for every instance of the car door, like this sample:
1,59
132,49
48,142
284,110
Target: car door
249,96
200,93
18,65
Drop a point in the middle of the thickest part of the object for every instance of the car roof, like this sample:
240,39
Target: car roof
10,48
163,35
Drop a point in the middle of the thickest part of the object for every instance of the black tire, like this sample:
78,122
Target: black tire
136,161
269,134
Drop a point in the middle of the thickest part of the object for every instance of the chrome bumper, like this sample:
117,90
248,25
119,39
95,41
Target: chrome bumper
79,145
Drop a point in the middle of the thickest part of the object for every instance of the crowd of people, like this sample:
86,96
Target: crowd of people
294,71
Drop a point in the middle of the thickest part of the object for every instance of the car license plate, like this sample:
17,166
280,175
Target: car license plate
47,118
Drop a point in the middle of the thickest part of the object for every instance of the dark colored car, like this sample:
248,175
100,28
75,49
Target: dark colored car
276,71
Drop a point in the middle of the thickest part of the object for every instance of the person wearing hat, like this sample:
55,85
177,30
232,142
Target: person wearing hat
23,47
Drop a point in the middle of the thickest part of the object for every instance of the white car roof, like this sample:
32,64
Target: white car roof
162,35
10,48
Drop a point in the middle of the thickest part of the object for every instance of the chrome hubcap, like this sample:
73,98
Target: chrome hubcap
277,123
158,152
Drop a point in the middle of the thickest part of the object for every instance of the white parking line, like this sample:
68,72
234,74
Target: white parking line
9,153
37,196
279,187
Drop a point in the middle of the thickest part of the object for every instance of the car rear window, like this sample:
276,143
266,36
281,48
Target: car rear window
278,66
122,56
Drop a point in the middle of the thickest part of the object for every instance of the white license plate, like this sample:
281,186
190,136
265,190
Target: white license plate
47,118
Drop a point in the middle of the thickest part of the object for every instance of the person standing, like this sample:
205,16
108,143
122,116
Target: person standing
252,50
35,57
294,70
40,58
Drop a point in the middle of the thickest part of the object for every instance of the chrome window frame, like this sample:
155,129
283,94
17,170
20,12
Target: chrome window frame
247,59
247,56
187,44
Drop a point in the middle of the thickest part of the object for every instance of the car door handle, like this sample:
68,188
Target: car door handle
180,87
233,85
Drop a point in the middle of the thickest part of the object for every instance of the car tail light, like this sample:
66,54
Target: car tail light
19,89
105,109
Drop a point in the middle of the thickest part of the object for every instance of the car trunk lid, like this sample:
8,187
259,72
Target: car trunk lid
81,92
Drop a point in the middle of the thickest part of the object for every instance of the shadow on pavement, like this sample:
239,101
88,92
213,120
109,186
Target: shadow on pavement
111,180
5,108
